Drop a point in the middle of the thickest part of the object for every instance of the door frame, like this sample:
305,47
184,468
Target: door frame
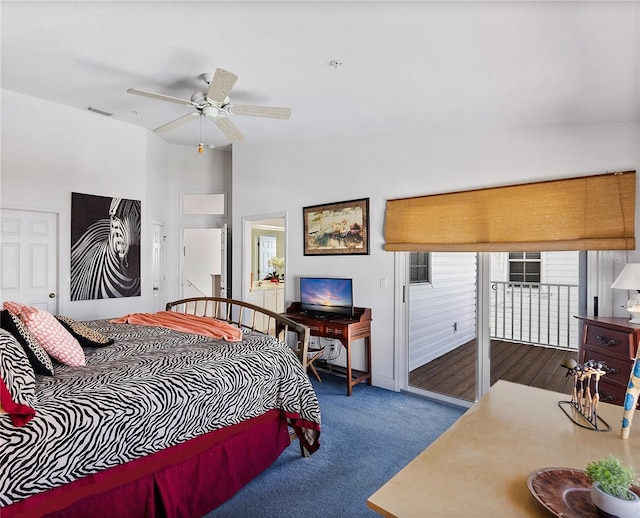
158,269
401,336
586,262
247,249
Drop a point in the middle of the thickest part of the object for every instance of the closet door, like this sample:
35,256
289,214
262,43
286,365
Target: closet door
28,258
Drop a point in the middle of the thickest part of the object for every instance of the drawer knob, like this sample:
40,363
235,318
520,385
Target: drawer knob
605,341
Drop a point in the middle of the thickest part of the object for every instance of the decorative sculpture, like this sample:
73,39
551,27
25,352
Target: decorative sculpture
585,394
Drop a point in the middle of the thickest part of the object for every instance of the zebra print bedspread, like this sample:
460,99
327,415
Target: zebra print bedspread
153,388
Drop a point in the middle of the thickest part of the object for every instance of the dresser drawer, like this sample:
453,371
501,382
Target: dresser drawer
335,330
613,393
612,341
621,366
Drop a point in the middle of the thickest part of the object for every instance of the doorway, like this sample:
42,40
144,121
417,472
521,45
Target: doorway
29,258
204,262
473,319
268,231
442,316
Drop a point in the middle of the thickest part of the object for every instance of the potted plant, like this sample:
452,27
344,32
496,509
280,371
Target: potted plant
277,264
611,489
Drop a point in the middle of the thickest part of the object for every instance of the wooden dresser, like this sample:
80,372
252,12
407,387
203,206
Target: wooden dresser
614,341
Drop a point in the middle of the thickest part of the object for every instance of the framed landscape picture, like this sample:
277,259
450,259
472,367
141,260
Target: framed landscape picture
340,228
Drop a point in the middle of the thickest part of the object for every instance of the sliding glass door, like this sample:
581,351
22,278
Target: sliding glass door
476,318
442,352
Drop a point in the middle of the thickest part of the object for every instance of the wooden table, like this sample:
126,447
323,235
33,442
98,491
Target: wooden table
479,467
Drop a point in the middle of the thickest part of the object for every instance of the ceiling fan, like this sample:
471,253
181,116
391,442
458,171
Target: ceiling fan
214,104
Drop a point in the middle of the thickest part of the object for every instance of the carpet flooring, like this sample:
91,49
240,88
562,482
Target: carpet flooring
365,440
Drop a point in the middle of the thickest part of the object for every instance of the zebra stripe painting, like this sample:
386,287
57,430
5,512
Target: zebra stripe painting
105,247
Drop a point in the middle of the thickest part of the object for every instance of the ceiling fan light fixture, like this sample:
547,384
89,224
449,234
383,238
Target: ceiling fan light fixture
214,104
210,112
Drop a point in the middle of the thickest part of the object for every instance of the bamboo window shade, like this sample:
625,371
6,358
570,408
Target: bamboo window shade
587,213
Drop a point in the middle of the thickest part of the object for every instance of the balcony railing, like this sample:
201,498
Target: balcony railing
535,313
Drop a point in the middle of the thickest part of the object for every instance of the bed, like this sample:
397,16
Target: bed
161,422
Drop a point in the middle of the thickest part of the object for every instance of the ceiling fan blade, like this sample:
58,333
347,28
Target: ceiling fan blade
160,96
221,85
175,123
229,129
273,112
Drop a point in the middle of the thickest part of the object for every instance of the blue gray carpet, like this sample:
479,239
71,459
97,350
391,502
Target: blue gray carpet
366,439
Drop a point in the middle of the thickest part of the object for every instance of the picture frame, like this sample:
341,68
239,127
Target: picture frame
340,228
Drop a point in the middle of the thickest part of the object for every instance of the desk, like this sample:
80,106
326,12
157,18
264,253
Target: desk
347,330
479,467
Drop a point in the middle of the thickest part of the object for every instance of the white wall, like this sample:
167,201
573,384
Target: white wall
49,151
286,176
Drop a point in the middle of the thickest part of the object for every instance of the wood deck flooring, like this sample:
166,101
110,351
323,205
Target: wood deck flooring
454,373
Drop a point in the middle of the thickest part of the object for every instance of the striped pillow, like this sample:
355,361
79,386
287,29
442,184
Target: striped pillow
17,381
37,356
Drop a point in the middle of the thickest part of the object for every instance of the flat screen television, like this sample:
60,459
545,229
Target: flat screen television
320,295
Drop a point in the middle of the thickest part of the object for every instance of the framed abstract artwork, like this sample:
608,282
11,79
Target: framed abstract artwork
105,247
340,228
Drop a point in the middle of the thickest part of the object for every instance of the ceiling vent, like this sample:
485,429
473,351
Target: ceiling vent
95,110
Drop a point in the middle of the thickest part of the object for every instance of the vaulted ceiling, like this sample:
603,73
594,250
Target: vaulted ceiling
346,69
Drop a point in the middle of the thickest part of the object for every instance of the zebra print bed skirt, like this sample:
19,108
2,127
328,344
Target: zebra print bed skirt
152,389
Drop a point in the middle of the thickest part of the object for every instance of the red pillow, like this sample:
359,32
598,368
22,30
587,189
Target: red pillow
52,336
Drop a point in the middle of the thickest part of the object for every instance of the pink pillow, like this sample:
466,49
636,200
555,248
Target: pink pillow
52,336
15,308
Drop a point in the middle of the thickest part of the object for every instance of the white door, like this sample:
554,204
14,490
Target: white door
28,258
223,263
266,250
203,260
158,267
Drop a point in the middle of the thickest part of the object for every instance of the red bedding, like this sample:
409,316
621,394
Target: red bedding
188,479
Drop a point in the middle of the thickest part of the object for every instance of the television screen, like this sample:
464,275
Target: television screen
326,295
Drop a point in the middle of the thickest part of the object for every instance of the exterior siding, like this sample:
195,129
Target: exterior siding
435,307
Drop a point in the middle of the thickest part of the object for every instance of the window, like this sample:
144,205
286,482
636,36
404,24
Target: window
524,267
419,267
203,204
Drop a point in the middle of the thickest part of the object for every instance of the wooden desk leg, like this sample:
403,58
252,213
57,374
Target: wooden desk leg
349,378
367,343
